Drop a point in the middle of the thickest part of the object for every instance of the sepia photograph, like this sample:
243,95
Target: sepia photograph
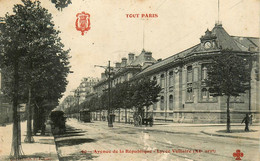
132,80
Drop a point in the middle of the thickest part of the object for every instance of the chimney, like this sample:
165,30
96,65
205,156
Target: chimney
118,65
123,63
131,57
148,56
103,76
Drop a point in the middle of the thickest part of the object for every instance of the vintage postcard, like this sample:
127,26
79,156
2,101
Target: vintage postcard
132,80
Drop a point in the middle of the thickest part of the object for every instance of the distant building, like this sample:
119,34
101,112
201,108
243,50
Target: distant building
86,87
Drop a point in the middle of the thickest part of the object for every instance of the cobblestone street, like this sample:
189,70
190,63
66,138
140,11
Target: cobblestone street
96,141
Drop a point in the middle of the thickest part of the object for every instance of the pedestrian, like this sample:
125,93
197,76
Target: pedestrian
246,120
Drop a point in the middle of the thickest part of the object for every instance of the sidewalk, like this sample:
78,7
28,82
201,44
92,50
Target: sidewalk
43,148
237,130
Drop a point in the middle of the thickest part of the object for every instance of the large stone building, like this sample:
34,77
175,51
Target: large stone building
185,96
122,71
86,87
125,70
81,94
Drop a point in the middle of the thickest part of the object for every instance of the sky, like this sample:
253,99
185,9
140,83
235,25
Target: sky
179,24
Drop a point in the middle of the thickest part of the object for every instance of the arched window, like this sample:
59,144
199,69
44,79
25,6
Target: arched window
170,78
210,96
189,94
189,74
204,93
162,81
154,78
204,73
162,103
171,102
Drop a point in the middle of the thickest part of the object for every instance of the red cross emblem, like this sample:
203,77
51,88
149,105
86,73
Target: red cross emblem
83,22
238,154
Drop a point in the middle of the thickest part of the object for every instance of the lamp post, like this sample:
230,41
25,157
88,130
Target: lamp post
109,73
250,68
69,104
108,69
249,91
76,94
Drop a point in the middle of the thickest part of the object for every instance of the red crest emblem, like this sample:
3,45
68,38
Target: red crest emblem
238,154
83,22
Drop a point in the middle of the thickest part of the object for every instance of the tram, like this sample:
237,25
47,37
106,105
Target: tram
85,115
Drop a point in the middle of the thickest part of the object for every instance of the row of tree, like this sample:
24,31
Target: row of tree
34,65
138,94
228,74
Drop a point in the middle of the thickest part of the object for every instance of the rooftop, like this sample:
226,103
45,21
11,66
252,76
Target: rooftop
224,40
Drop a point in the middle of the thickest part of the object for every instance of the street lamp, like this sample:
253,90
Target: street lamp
108,68
109,73
250,72
69,105
99,102
76,94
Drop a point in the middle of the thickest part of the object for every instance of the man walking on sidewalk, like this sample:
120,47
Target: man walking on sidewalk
246,120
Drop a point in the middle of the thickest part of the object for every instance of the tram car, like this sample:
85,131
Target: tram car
58,120
85,115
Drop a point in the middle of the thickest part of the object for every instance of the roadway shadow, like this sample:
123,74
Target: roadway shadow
70,132
45,141
72,141
69,135
87,156
38,156
72,137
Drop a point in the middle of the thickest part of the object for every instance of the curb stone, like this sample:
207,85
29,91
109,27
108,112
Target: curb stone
237,137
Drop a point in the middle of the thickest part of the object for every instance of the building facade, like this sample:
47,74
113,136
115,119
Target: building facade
80,95
86,87
185,96
124,70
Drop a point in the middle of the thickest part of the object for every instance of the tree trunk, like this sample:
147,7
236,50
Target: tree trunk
146,111
35,120
119,115
100,115
43,127
15,151
29,138
141,113
228,115
125,115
